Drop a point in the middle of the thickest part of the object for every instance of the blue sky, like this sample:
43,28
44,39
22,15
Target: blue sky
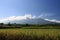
47,8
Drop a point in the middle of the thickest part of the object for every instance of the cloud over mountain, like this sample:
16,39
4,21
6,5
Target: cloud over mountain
12,18
53,20
25,17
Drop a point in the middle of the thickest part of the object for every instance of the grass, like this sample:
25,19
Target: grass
29,34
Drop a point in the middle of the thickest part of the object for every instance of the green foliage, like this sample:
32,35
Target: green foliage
1,23
29,26
9,24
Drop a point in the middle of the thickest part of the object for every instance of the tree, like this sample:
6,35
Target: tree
9,24
27,24
1,23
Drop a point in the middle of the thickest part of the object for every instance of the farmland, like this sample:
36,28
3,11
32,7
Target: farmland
29,34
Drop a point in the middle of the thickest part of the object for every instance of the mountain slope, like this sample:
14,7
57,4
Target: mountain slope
32,21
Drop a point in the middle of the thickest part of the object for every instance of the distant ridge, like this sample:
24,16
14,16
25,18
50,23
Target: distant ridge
32,21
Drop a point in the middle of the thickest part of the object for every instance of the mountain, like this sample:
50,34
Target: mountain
32,21
28,19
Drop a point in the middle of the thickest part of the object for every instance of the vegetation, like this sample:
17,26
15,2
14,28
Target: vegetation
29,26
29,32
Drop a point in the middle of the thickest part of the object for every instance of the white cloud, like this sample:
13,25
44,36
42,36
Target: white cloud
46,15
53,20
12,18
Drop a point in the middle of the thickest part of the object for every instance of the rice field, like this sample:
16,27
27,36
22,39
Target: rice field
29,34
